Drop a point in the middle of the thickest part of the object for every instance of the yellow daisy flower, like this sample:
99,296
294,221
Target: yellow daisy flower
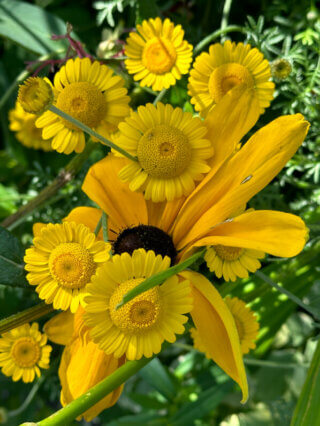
141,326
35,95
246,322
232,262
224,67
22,351
89,92
157,54
62,261
171,149
23,124
83,364
202,219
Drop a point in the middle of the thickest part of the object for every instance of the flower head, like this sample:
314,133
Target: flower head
23,124
62,261
90,93
171,149
140,327
22,351
246,323
232,262
157,54
226,66
281,68
35,95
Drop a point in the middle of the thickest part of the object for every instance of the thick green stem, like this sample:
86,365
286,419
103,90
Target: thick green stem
65,176
159,278
90,132
23,317
95,394
211,37
225,14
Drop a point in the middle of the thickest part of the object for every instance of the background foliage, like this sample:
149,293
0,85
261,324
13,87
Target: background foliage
181,387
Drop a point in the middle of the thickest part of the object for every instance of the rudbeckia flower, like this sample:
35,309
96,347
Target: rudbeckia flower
62,261
157,54
225,66
23,124
203,218
89,92
171,151
82,364
23,351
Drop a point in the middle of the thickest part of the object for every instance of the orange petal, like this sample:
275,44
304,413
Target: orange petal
125,208
59,329
217,329
88,216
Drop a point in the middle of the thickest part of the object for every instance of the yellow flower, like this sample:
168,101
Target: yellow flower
62,261
141,326
22,351
35,95
245,321
203,218
171,149
83,364
224,67
281,68
158,55
232,262
89,92
27,133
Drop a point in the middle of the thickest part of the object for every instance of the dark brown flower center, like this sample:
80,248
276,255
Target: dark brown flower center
146,237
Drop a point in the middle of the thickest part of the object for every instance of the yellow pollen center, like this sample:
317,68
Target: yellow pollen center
228,253
83,101
140,313
159,55
227,76
164,152
71,265
25,352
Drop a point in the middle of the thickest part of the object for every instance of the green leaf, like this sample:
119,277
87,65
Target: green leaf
206,402
158,377
307,410
8,199
30,26
11,260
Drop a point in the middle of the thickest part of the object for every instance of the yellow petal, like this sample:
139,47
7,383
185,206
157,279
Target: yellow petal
59,329
217,329
240,178
276,233
102,185
229,121
36,228
82,367
88,216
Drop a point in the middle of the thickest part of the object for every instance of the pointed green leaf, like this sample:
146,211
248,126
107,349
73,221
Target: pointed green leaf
307,411
159,378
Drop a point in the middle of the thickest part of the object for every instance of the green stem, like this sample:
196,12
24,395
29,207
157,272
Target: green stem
272,364
65,415
211,37
29,398
65,176
159,278
225,14
290,295
160,96
21,77
98,227
104,218
23,317
90,132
